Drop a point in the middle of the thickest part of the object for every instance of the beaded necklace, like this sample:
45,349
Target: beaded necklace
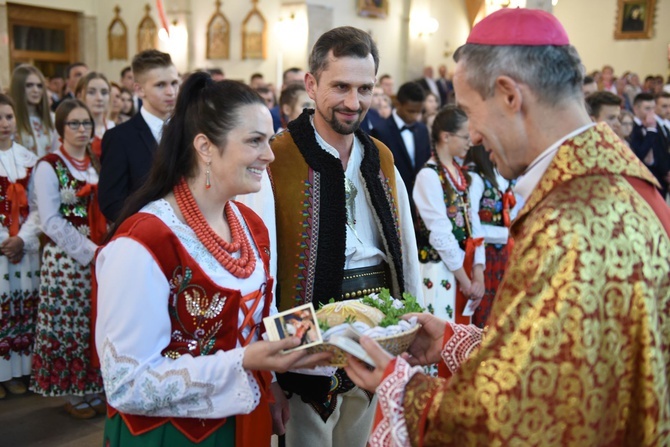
79,165
241,267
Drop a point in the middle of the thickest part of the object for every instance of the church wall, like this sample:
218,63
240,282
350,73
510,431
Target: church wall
402,52
590,26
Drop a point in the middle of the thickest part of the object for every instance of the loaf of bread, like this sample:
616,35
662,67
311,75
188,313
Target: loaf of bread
351,310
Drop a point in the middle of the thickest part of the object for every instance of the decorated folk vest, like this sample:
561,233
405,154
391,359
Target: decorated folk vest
7,201
74,209
204,319
458,213
311,213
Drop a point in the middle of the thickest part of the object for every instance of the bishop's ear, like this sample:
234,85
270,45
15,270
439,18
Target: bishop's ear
509,91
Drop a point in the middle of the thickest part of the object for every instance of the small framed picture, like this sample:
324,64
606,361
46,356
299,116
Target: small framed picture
373,8
298,322
635,19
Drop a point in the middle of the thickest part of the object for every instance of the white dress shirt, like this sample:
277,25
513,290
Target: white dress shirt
155,124
407,137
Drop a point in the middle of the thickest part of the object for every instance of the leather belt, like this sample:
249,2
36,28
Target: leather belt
359,282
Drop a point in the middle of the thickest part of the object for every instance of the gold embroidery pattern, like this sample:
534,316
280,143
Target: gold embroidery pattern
578,347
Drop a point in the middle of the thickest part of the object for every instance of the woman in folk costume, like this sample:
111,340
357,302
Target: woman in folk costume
19,260
65,190
34,122
94,91
493,205
177,329
447,252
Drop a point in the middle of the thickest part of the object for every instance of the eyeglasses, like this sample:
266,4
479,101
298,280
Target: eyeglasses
74,125
464,137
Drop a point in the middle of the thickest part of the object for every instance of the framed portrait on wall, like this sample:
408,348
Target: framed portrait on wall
373,8
635,19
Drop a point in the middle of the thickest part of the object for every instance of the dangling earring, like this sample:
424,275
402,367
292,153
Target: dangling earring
208,184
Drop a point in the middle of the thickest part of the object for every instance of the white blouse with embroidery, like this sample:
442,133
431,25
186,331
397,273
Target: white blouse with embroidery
133,327
47,196
14,164
429,200
492,234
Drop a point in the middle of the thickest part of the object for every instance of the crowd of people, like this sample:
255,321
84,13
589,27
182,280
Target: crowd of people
150,225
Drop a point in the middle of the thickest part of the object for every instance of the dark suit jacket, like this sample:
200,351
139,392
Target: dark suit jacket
387,132
441,88
643,141
127,153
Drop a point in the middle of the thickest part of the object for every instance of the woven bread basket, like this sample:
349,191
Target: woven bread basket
394,344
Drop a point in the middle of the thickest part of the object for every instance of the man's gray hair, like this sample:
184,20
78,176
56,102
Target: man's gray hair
553,73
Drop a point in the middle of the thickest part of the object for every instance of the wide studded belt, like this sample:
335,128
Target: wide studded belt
363,281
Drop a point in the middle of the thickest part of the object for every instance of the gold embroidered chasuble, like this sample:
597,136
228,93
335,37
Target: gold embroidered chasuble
577,351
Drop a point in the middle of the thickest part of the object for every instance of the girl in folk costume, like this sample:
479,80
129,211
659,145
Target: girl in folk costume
19,258
34,123
93,90
65,190
447,252
493,206
177,330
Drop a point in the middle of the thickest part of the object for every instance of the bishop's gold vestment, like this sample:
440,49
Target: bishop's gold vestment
577,351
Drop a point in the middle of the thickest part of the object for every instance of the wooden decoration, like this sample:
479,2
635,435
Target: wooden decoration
254,34
147,32
218,35
117,37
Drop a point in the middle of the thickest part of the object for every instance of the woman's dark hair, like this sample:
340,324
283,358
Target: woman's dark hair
132,110
62,112
203,107
6,100
482,164
448,119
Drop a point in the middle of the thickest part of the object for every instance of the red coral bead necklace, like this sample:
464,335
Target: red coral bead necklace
241,267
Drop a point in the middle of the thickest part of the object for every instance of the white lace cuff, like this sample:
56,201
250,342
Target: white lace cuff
392,429
248,395
459,347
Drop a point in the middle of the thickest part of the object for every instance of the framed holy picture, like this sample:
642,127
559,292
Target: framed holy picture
635,19
373,8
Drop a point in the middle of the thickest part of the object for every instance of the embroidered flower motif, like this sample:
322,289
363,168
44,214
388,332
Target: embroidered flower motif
84,230
428,283
452,211
68,196
450,311
485,215
458,220
446,284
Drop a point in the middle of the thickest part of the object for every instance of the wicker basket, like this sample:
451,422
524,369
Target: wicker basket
394,344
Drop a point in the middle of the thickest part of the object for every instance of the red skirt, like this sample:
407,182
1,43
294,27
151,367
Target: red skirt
496,262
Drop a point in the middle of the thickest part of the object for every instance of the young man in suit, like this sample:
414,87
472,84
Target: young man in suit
128,149
405,135
649,139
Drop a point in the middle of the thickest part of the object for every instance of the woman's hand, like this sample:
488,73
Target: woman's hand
427,347
279,410
477,290
365,376
12,248
269,356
